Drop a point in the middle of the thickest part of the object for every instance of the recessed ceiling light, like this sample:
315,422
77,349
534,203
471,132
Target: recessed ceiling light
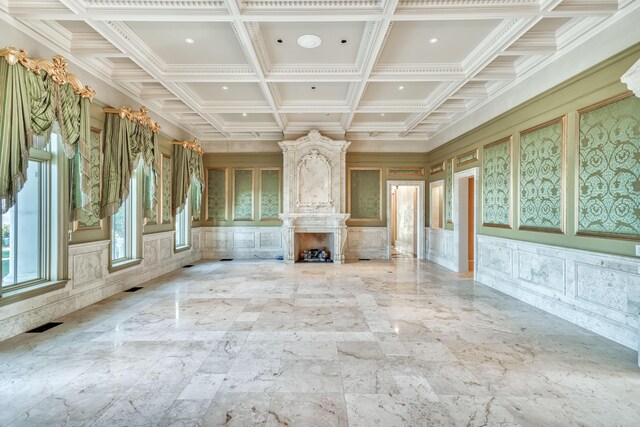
225,87
343,41
190,41
309,41
244,114
433,40
382,114
279,41
313,88
400,87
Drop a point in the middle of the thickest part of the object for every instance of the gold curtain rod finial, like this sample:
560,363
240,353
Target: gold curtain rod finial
193,145
138,116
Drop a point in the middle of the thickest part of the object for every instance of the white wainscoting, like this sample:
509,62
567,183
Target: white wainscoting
597,291
440,248
367,243
242,242
90,280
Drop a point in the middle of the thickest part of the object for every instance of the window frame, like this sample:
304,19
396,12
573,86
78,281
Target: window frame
133,224
183,221
54,223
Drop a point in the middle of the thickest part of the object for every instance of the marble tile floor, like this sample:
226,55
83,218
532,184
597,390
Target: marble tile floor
261,343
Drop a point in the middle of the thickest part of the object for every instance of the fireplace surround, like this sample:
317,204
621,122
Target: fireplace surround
314,191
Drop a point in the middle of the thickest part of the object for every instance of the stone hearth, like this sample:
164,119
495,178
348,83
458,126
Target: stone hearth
314,192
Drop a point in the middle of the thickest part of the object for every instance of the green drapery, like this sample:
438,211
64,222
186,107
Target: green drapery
116,166
126,143
188,172
151,159
15,131
31,103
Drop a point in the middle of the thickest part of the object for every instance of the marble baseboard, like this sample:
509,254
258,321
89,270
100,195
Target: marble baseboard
90,280
440,247
367,243
242,242
599,292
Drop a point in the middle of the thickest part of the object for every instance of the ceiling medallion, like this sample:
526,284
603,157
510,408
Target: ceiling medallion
309,41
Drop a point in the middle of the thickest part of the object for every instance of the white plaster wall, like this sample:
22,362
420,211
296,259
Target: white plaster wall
597,291
367,243
90,280
441,248
242,242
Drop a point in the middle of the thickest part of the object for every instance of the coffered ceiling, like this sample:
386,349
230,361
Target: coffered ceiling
393,70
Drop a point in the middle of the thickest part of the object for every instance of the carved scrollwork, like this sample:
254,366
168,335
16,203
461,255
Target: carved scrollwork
141,117
313,178
56,68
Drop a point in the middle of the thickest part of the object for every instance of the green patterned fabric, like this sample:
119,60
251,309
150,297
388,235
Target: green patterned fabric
541,178
151,160
448,190
609,169
216,195
243,195
166,190
31,104
15,131
188,170
496,184
269,194
86,203
365,194
116,167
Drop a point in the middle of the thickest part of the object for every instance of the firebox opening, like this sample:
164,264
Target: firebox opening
314,247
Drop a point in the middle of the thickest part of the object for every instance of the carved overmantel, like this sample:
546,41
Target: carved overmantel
314,191
632,78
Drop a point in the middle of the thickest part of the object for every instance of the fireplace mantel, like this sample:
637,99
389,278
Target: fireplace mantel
314,190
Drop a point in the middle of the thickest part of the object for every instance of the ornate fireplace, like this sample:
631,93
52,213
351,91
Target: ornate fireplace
314,195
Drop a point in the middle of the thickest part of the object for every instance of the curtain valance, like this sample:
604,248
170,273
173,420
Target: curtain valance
35,93
130,137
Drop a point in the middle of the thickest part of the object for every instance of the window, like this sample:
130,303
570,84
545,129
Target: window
124,226
29,228
183,225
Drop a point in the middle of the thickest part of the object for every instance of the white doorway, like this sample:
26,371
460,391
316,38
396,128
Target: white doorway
465,201
405,219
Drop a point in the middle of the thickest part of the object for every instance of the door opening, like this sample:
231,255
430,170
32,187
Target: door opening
464,219
404,224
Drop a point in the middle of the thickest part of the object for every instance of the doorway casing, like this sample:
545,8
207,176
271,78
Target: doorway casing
460,208
419,212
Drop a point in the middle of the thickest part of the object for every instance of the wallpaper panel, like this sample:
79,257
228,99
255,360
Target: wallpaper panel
166,189
448,189
152,217
269,194
243,194
541,178
496,184
609,169
91,218
365,194
217,194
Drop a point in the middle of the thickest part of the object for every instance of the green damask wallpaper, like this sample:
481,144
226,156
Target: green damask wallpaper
166,190
496,184
541,178
216,194
148,187
86,218
365,194
448,189
269,194
609,169
243,195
